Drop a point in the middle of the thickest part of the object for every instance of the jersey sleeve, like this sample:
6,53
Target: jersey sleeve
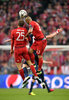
31,25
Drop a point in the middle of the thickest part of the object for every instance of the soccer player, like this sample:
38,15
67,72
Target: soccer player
18,41
40,41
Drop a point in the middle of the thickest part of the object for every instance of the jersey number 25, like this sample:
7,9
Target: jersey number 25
20,36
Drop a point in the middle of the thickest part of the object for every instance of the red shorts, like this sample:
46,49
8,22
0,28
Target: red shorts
39,46
21,53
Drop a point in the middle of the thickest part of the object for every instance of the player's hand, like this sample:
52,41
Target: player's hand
11,52
26,38
59,30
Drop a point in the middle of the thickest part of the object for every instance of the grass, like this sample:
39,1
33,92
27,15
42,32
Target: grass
41,94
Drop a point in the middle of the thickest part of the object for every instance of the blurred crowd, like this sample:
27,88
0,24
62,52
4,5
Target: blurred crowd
7,63
59,62
50,14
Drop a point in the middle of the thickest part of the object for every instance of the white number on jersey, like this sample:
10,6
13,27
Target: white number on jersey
20,34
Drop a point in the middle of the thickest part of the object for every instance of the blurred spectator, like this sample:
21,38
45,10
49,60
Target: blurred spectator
5,68
67,59
61,59
11,63
51,15
60,62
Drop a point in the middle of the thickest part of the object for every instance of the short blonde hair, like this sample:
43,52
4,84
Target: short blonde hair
28,18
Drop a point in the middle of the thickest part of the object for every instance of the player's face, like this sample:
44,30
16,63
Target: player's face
27,21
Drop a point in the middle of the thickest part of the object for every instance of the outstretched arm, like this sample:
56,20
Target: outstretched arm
54,34
8,40
47,62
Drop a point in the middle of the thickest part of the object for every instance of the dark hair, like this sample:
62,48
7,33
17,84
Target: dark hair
21,22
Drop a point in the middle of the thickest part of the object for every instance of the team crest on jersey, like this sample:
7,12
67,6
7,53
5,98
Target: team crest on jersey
30,25
38,51
17,60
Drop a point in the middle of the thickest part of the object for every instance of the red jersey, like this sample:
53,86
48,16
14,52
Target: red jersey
18,37
37,33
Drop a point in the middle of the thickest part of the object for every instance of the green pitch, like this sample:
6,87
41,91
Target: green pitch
41,94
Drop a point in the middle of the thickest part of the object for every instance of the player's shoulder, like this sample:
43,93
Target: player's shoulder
32,21
25,29
13,30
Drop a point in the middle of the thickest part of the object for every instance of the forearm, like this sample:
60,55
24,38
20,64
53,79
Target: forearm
51,35
9,40
30,31
47,62
54,34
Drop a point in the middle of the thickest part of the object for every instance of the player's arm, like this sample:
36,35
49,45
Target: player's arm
47,62
12,42
8,40
54,34
30,30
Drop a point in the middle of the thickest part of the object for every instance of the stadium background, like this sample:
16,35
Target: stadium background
50,14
